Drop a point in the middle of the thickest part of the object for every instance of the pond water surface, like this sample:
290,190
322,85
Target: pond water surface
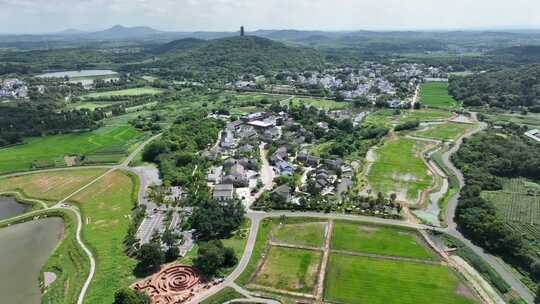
82,73
9,207
24,249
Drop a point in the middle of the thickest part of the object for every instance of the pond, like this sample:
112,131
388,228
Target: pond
25,249
9,207
81,73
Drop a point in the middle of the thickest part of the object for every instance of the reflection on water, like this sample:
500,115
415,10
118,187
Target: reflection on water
9,207
82,73
24,249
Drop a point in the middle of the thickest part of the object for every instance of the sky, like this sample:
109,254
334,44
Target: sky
39,16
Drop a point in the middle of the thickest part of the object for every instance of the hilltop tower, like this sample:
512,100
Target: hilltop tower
242,33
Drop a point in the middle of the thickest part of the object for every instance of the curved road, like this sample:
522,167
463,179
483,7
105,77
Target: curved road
257,216
60,205
495,263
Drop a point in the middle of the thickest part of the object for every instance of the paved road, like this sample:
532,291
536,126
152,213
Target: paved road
515,283
60,205
257,216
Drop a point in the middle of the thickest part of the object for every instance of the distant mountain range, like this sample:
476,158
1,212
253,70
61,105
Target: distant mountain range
145,32
367,40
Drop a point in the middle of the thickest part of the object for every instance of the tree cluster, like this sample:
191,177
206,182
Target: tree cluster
483,159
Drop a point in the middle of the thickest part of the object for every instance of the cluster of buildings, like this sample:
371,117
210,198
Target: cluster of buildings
368,79
13,89
237,175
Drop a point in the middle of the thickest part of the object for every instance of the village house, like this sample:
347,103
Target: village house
285,169
237,177
214,176
308,160
223,192
283,191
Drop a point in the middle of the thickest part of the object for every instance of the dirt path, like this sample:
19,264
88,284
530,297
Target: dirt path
319,294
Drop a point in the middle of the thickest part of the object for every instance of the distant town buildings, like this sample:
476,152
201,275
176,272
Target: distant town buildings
15,88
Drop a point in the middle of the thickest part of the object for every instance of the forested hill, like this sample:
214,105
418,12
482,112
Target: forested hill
229,57
180,45
512,88
521,54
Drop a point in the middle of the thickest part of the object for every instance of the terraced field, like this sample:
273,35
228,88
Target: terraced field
108,144
519,204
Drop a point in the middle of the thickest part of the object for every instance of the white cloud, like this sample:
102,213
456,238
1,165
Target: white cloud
226,15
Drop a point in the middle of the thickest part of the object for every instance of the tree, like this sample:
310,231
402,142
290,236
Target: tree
172,254
150,257
214,220
210,257
130,296
153,150
361,101
537,298
229,257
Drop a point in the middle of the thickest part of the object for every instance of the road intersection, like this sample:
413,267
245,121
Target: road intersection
257,216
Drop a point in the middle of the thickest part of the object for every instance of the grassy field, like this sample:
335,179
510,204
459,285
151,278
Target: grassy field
531,120
352,278
263,236
318,103
88,105
359,280
435,94
50,186
308,234
381,240
424,115
110,143
380,118
446,131
106,207
260,244
519,204
399,169
224,295
290,269
127,92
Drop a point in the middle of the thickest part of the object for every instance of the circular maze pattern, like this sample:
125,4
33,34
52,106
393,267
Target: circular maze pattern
176,279
172,285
